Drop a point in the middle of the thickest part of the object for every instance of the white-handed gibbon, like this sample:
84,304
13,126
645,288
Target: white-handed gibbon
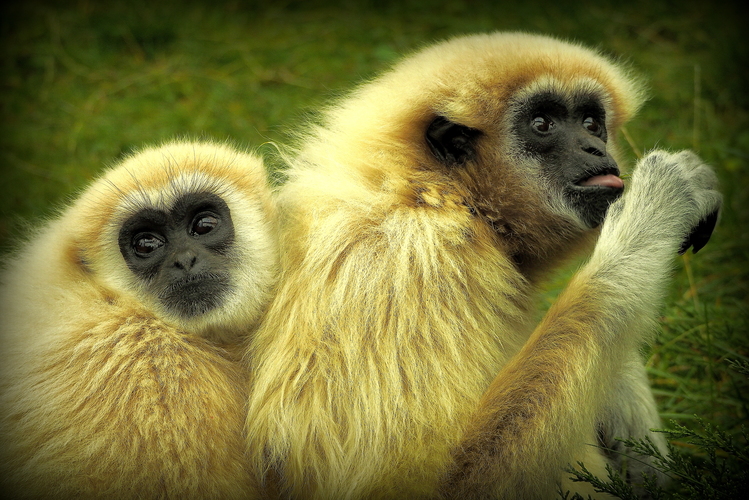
120,328
399,358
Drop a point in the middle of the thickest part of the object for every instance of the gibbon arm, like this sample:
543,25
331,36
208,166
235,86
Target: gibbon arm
549,395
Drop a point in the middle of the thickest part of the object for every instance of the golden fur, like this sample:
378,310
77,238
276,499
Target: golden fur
398,358
104,395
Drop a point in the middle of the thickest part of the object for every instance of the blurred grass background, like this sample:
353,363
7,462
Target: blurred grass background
84,82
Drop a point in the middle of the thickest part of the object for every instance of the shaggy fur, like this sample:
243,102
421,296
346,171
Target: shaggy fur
105,396
399,357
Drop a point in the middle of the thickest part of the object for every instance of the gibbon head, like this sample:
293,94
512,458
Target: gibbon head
542,108
188,230
522,125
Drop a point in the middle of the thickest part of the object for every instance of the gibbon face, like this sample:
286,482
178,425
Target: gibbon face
182,253
193,237
566,136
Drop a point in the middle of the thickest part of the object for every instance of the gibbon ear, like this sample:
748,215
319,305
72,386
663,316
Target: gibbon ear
450,142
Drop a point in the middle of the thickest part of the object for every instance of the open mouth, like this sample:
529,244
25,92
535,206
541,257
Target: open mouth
605,179
593,192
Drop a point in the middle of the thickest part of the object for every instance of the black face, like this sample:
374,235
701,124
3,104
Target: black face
182,253
570,142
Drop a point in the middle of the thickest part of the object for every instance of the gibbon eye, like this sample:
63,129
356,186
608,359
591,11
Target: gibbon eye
542,124
592,125
146,243
203,224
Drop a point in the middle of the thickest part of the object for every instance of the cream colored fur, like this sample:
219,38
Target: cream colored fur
399,358
103,395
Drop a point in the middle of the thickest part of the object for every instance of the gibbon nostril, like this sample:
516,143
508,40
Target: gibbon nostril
594,151
185,261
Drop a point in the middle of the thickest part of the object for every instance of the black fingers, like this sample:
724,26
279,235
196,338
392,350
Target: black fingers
700,235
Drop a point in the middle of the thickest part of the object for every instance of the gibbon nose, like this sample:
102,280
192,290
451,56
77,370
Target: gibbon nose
594,146
185,260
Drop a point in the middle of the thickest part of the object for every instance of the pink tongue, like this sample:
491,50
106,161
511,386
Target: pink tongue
609,180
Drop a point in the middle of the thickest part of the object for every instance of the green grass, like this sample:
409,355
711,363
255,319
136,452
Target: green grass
85,82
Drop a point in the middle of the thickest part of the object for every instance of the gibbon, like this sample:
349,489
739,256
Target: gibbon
399,357
121,323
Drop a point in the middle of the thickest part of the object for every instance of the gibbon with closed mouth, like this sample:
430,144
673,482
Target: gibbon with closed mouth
120,330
